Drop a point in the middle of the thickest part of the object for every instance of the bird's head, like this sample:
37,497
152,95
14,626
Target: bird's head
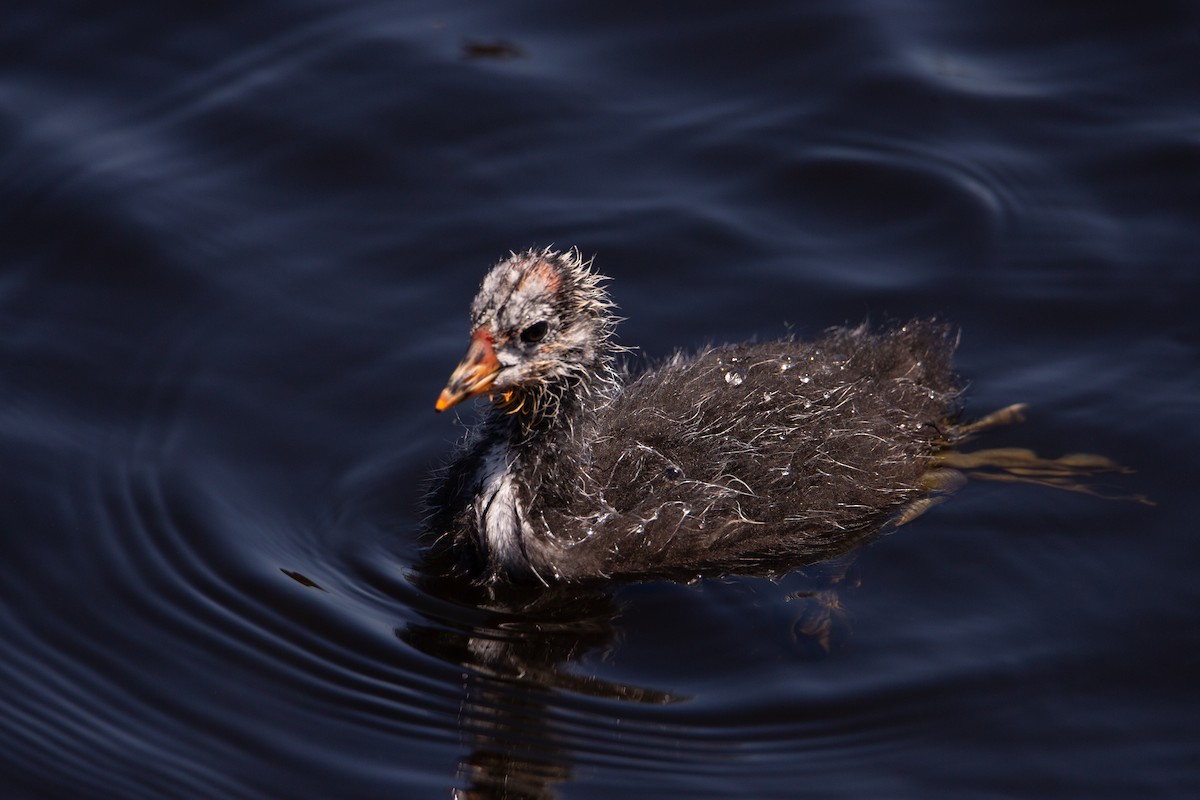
540,328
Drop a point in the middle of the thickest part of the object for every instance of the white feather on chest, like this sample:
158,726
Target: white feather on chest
499,517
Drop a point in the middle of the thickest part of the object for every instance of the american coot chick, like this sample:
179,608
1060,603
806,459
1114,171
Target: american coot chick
715,462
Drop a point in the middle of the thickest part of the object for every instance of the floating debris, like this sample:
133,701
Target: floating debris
499,50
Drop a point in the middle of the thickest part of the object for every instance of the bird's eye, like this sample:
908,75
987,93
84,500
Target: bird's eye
535,332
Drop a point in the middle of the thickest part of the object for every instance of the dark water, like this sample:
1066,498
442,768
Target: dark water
238,245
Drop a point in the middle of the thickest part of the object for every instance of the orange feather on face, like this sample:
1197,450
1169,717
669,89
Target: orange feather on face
473,375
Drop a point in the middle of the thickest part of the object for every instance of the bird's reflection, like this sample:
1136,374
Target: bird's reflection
518,648
515,658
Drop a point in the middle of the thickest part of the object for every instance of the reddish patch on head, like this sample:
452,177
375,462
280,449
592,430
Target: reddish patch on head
542,272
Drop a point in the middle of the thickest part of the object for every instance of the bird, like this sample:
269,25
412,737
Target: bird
731,459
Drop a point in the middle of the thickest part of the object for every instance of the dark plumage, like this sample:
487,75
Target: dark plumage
725,460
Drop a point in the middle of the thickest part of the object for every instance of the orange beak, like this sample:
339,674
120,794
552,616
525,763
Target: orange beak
473,375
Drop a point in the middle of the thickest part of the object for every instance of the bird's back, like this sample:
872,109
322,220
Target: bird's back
759,451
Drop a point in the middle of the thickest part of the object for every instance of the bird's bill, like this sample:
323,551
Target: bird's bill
473,375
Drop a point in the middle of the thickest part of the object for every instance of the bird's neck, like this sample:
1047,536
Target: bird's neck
538,450
552,413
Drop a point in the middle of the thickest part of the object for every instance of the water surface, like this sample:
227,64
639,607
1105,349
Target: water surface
238,247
